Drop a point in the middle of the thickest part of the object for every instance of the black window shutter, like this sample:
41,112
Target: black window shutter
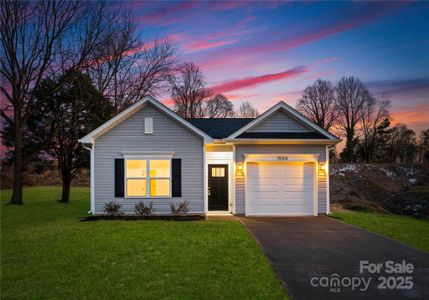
119,177
176,177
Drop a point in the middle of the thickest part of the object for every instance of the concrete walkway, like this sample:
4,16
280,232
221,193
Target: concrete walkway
310,254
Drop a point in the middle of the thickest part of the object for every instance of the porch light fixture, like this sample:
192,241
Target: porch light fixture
239,167
322,167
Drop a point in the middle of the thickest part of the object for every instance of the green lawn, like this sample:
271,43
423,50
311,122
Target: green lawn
46,252
408,230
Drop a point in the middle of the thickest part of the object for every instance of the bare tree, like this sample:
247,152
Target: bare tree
129,69
318,103
189,91
351,98
40,39
246,110
219,107
29,32
374,114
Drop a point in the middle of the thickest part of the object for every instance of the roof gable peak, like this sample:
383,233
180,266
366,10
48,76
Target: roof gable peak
281,105
90,137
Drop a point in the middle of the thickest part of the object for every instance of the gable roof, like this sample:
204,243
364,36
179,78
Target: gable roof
229,129
89,138
219,128
293,113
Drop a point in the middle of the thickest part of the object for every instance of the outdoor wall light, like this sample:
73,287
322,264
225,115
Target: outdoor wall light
239,167
322,167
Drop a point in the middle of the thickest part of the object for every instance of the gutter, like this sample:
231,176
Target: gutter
283,141
86,147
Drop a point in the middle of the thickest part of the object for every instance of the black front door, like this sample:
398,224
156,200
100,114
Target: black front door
218,187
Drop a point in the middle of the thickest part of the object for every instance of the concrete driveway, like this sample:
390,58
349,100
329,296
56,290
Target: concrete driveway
319,258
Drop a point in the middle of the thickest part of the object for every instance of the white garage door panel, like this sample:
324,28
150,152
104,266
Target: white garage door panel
280,188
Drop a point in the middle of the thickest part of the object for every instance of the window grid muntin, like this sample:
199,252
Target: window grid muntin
148,178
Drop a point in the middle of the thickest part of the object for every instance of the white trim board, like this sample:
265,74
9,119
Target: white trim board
282,141
92,179
327,164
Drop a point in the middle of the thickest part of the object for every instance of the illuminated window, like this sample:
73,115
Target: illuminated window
159,178
159,168
148,178
136,168
159,187
136,187
218,172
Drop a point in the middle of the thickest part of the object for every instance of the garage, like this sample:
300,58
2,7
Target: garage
280,188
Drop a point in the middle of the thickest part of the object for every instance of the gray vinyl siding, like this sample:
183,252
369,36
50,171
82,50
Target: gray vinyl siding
168,135
280,122
279,149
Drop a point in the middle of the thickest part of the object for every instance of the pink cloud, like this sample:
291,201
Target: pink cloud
250,82
148,45
168,14
237,97
168,101
144,47
232,35
227,5
239,53
415,117
198,45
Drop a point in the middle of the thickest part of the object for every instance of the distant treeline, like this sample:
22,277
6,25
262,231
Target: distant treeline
349,110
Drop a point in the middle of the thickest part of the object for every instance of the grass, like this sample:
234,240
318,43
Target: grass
424,189
408,230
46,252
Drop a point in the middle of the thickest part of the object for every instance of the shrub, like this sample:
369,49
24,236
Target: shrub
113,208
142,210
181,209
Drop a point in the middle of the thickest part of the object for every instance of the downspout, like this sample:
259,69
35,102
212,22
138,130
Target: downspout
91,170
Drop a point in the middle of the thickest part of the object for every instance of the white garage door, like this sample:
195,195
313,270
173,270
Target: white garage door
280,189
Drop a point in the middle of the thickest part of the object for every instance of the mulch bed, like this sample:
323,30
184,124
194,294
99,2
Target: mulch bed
142,218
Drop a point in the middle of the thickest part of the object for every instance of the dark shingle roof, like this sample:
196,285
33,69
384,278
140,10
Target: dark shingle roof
281,135
219,128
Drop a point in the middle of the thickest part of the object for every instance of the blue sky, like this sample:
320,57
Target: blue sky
263,52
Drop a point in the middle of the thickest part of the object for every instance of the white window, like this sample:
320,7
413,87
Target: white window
148,125
218,172
148,177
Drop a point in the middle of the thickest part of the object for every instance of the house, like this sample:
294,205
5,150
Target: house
275,164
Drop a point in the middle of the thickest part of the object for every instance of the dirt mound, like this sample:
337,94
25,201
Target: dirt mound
381,187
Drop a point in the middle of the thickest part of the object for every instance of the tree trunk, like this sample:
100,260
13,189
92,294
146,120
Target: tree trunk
350,144
65,194
18,165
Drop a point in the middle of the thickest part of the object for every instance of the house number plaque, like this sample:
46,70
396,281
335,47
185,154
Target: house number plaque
282,158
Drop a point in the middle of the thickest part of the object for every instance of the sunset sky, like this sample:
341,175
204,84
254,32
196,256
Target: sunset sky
266,52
